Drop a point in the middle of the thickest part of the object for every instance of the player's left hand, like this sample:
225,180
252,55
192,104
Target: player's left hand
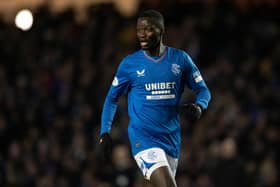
193,111
105,143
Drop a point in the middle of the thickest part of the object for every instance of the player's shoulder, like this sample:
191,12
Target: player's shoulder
177,52
132,56
129,61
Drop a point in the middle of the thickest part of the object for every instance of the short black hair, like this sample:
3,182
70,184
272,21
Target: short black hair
155,16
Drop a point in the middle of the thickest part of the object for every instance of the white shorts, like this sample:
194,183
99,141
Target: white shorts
150,159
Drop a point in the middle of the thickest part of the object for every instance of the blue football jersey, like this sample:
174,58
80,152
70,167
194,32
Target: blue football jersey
154,86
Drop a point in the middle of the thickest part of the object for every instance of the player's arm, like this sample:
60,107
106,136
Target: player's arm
196,83
119,86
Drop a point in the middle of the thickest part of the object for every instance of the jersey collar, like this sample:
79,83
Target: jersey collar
160,58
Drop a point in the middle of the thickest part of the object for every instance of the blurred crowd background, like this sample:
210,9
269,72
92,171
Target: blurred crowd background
54,78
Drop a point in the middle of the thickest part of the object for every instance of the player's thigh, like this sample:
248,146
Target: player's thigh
162,177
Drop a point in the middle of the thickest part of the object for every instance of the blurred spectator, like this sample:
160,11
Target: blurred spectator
124,172
229,169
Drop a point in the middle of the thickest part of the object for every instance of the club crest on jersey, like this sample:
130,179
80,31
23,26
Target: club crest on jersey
175,68
140,73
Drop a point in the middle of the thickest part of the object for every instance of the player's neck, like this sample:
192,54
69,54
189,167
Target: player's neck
161,49
158,51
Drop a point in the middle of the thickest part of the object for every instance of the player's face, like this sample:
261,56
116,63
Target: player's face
148,34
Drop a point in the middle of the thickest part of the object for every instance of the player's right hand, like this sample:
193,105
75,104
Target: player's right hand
105,142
